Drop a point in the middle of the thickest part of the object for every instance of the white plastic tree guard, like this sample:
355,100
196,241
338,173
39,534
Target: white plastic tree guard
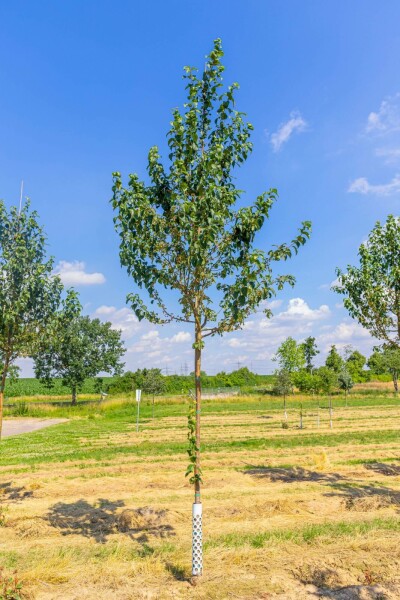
197,539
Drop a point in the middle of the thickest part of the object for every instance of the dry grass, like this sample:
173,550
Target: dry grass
281,522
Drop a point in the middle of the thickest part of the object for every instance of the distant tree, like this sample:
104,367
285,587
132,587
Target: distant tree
334,361
29,294
345,382
183,231
392,364
355,365
310,350
328,378
290,356
77,348
124,383
242,376
372,289
307,382
376,362
153,383
283,386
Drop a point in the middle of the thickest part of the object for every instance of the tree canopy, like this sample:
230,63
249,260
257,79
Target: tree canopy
290,355
310,350
334,361
77,347
372,289
29,294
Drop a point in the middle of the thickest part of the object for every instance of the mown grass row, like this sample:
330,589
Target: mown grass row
91,438
307,534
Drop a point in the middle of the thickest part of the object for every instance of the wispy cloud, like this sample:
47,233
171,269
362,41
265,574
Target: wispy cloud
73,273
390,155
345,333
387,118
362,186
295,124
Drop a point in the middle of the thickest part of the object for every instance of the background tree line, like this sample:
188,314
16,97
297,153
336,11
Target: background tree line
341,370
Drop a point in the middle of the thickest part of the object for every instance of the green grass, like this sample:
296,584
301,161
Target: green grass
308,534
77,440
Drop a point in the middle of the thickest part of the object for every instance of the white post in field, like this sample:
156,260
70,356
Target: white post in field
138,398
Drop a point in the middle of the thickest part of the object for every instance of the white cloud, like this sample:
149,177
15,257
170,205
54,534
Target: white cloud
182,336
73,273
274,304
122,319
362,186
299,309
295,124
105,310
345,333
387,118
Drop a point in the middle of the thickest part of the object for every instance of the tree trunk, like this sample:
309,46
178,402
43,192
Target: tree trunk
2,387
395,383
197,536
73,396
1,412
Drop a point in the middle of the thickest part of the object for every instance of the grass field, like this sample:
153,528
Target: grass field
91,509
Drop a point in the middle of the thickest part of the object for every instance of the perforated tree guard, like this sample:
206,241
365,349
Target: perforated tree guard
197,539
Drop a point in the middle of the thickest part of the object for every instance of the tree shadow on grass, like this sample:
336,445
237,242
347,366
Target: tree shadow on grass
383,469
82,518
291,474
365,497
179,573
100,520
9,492
352,592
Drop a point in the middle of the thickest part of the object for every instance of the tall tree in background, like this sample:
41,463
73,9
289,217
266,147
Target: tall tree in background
391,358
290,356
76,348
334,361
376,362
182,232
372,289
310,350
355,365
29,294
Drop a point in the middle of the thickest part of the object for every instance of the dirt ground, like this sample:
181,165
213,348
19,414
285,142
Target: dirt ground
294,523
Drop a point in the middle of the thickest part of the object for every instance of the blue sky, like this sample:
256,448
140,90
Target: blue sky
88,87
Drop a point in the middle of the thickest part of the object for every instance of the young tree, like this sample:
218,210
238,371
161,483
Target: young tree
182,232
290,355
334,361
372,290
154,384
283,386
310,350
328,379
77,348
345,382
29,294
